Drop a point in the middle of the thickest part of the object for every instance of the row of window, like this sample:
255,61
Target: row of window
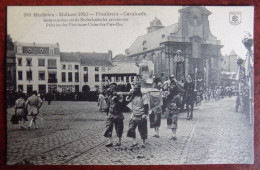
29,50
41,62
53,64
42,88
41,76
63,77
76,67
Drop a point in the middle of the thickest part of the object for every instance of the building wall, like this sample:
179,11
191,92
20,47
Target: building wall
91,70
229,63
34,52
70,86
35,68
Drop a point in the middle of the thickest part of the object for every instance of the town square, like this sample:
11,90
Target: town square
130,90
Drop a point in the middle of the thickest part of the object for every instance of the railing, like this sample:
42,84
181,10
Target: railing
52,81
52,67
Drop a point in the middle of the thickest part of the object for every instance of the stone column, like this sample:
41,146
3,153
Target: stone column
171,64
207,72
159,58
186,62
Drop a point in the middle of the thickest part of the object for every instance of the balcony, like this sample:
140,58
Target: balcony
52,67
52,81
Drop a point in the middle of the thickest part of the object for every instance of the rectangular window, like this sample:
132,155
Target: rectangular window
127,79
76,77
28,62
52,77
51,51
76,88
41,75
20,62
76,67
69,67
42,88
96,77
29,75
103,69
63,77
41,62
86,77
70,76
20,75
52,63
20,87
63,67
85,68
96,68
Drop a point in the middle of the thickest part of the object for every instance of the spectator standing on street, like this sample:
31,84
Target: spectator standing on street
139,115
238,103
102,102
115,117
33,105
48,97
20,111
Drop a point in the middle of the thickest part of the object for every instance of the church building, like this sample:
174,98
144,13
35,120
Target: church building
198,50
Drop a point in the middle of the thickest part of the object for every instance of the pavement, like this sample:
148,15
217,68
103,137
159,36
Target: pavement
71,133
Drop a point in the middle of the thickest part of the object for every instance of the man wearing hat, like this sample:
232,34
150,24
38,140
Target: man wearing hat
114,117
139,115
172,99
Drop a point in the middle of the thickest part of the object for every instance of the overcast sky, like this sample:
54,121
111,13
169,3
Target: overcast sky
117,39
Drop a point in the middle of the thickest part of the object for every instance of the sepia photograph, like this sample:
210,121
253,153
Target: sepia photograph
129,85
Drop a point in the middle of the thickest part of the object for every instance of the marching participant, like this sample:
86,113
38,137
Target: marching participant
172,99
114,117
139,115
33,105
155,110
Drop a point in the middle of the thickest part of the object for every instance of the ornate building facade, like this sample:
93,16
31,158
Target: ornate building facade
200,50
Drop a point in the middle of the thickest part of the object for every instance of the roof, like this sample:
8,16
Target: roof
156,22
69,57
152,39
197,8
37,44
122,58
125,68
87,59
233,53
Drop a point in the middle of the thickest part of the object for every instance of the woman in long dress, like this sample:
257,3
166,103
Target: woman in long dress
102,102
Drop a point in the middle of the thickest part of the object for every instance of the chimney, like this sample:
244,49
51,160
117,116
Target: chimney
110,55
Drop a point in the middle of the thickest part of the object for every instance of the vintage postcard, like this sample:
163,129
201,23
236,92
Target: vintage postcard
130,85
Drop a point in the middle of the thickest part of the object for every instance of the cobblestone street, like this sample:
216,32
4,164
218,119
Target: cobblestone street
72,133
